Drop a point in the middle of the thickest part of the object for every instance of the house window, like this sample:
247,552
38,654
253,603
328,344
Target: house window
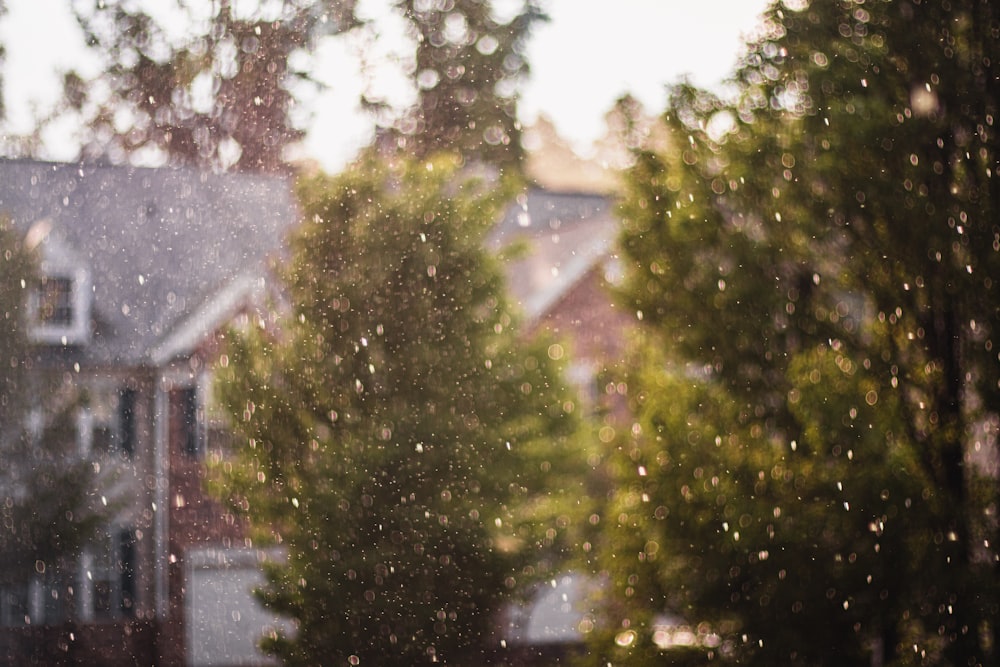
55,302
126,421
113,577
43,599
60,308
126,563
57,597
14,609
184,421
109,425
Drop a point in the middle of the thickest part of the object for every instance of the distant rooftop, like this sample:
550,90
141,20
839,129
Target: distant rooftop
567,235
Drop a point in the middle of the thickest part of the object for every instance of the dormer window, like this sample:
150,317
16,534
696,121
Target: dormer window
60,309
55,302
60,303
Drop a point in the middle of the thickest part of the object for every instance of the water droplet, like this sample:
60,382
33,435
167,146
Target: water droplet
626,638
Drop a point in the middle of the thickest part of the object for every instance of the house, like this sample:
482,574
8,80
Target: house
561,278
562,282
140,270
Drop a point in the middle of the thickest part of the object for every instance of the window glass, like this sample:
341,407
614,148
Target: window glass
55,301
14,604
112,421
184,421
113,575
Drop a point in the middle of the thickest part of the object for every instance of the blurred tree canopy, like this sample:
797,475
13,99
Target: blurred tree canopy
213,84
412,454
46,511
207,84
815,262
469,64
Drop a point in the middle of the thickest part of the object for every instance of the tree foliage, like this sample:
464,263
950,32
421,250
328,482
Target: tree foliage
46,509
405,447
816,259
212,84
205,84
469,64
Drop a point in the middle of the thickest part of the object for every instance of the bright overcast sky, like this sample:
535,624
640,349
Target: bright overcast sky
589,54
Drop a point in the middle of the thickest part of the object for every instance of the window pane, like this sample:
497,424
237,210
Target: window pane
126,568
126,421
55,302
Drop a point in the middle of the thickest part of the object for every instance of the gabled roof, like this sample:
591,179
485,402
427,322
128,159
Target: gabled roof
171,252
566,234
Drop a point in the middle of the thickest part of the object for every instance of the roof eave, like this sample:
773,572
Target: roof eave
243,291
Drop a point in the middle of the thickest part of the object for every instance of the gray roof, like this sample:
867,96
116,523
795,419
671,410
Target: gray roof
172,253
566,234
168,250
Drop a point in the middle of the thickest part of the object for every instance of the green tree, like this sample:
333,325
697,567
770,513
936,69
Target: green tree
469,64
817,259
411,453
205,84
47,510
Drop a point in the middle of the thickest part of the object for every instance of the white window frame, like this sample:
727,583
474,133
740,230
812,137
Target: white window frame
104,412
99,565
77,332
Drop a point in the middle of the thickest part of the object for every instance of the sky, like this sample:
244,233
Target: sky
589,54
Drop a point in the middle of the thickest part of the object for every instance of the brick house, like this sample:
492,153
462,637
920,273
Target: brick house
562,282
140,270
562,278
147,266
